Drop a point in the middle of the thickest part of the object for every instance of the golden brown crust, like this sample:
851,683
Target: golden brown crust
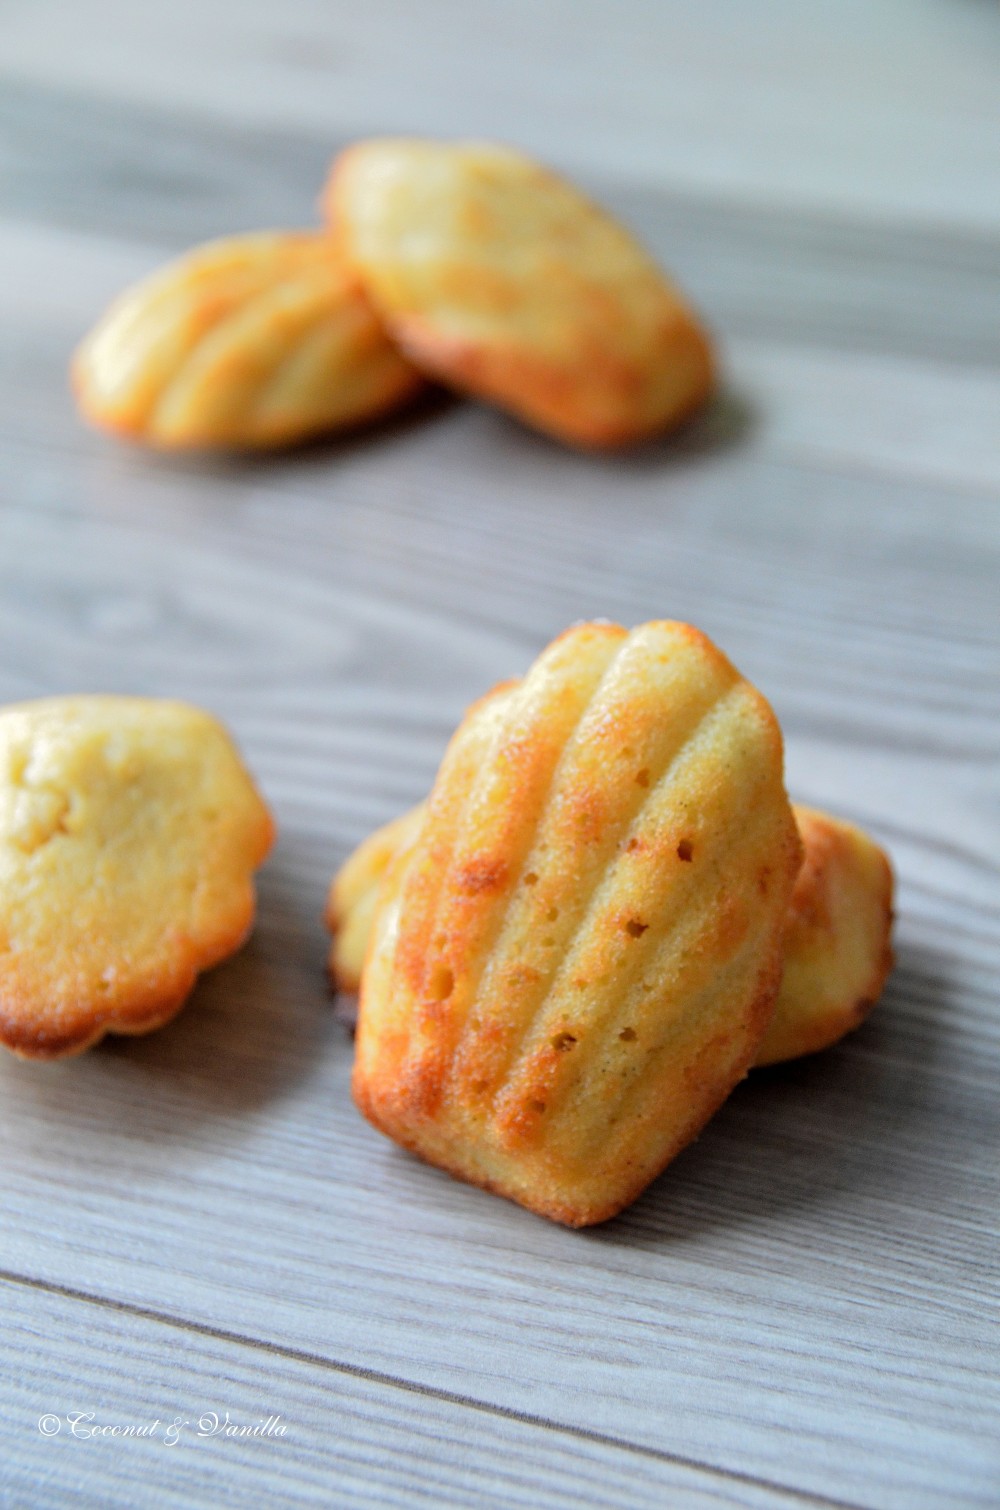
129,833
837,947
836,953
498,277
576,959
546,1200
254,342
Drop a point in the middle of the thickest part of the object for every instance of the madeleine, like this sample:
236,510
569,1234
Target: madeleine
129,834
353,896
504,281
252,342
576,957
837,939
837,950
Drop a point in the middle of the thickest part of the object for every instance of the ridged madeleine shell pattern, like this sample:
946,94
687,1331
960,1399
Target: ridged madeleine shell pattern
576,958
254,341
837,950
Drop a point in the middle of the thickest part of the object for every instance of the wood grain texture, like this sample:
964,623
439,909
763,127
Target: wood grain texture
347,1436
806,1308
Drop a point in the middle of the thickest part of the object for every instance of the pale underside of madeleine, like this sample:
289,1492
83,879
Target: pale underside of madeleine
837,951
837,939
500,278
251,342
129,834
576,958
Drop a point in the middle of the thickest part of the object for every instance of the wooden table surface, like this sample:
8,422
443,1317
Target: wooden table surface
804,1309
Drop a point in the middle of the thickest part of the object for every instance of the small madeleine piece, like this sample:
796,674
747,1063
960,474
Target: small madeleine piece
500,278
837,939
129,834
350,906
576,957
837,951
252,342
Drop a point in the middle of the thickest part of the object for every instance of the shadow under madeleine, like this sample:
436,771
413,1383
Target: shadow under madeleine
833,1125
726,422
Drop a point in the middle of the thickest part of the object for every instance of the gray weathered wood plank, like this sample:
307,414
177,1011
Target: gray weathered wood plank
885,110
81,1376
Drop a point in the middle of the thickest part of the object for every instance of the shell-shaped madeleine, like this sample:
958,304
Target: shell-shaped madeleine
502,279
837,938
254,341
575,959
837,951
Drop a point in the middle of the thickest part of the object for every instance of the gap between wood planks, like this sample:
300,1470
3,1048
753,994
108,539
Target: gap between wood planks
433,1392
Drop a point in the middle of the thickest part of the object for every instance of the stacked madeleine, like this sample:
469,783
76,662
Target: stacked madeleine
466,263
604,915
